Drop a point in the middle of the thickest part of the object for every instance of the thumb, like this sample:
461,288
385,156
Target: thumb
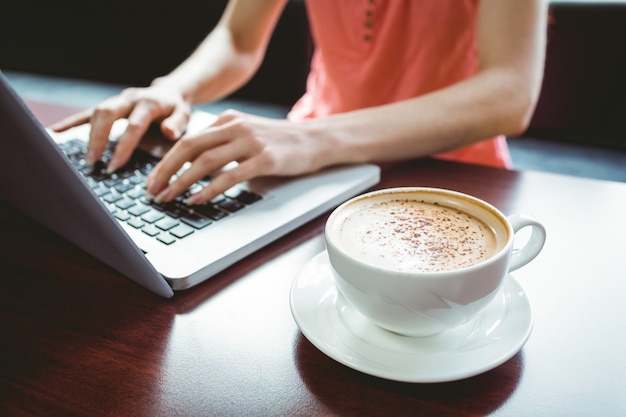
174,126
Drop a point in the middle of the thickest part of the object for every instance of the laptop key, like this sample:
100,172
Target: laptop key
123,187
137,179
136,222
197,222
166,238
91,182
100,190
136,193
124,203
138,210
173,210
121,215
125,172
166,223
151,230
112,181
181,231
244,196
152,216
231,205
112,197
210,211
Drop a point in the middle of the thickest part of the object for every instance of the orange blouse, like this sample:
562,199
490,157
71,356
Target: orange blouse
375,52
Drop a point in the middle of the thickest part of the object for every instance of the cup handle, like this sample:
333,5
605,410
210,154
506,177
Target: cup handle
528,252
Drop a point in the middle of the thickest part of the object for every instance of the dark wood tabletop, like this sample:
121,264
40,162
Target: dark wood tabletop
78,339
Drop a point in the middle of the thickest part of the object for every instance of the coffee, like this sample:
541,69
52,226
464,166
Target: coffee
386,248
416,236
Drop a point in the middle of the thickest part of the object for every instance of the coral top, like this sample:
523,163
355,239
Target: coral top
374,52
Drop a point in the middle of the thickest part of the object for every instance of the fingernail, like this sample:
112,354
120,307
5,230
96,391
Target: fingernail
91,156
194,199
149,196
176,133
114,164
148,185
163,196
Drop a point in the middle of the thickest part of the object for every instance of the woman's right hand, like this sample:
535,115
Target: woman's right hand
158,103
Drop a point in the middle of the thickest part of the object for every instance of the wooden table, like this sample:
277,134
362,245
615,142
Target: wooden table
79,339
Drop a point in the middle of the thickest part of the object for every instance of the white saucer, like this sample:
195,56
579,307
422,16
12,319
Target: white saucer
342,333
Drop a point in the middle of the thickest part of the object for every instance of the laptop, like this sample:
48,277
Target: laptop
163,248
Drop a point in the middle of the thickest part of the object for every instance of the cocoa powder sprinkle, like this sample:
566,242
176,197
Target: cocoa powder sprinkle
419,236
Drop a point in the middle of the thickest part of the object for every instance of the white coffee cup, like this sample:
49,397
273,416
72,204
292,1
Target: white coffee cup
381,247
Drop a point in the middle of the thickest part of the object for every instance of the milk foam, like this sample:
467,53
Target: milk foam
410,235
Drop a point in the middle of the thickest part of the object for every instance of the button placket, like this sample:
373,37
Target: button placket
369,21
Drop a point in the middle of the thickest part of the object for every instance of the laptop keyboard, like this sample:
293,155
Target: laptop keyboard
124,194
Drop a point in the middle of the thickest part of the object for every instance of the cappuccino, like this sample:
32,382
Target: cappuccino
419,261
416,236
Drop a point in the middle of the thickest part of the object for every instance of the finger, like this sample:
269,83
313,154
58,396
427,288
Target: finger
208,161
226,117
170,164
225,180
179,186
104,115
174,125
139,121
188,148
72,121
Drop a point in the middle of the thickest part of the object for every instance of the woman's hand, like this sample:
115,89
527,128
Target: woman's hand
261,146
142,106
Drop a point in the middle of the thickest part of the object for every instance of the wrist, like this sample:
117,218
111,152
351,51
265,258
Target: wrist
335,142
179,88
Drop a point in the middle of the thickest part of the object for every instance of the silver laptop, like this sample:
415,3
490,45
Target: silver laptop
161,247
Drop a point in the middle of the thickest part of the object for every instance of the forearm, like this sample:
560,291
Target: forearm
231,53
498,100
213,71
484,106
